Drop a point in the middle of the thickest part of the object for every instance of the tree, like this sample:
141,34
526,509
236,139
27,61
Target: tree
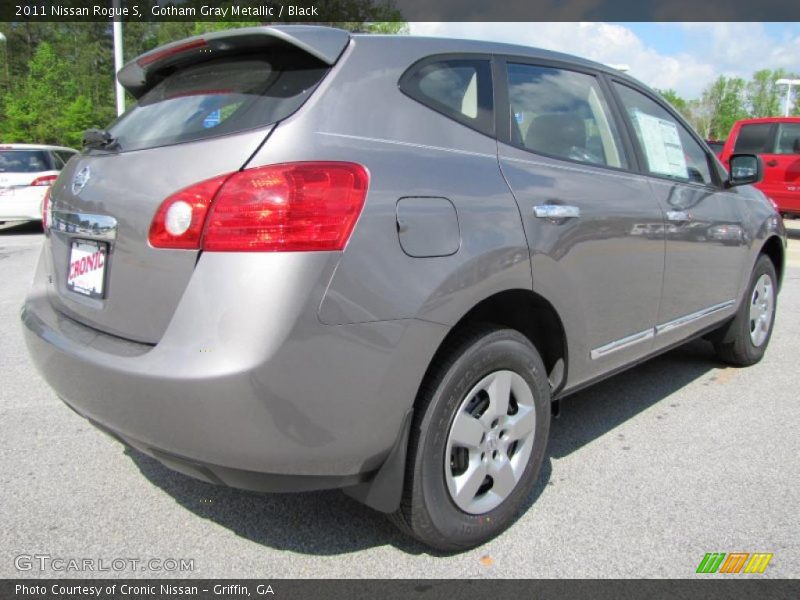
78,116
61,75
724,99
31,108
700,114
678,103
763,96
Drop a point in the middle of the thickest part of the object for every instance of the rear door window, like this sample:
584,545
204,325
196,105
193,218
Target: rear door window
218,97
458,88
562,113
788,139
754,138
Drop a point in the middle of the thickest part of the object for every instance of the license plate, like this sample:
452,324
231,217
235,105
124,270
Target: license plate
87,268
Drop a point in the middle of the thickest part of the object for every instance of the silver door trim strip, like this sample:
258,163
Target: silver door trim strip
649,334
690,318
642,336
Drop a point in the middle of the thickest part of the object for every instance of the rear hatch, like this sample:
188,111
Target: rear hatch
205,105
21,167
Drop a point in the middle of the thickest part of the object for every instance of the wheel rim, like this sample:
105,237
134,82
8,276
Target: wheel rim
762,304
490,442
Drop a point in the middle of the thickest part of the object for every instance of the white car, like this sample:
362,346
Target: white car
26,172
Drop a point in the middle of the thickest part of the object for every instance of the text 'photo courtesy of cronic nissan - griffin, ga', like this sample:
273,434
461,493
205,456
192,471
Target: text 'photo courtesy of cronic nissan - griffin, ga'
258,278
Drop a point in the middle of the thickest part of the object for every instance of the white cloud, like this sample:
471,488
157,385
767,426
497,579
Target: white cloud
742,48
712,48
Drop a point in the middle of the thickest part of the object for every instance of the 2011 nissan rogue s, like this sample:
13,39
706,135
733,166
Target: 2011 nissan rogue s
307,259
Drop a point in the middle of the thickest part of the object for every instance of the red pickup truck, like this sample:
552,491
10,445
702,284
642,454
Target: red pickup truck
777,141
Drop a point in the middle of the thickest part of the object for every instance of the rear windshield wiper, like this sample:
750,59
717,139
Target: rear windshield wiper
99,138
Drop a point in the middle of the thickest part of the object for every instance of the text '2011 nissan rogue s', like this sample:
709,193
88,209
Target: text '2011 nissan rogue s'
307,259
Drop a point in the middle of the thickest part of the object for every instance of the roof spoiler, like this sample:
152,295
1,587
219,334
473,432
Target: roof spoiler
324,43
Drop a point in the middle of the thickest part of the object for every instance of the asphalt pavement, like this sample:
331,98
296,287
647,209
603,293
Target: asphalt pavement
646,473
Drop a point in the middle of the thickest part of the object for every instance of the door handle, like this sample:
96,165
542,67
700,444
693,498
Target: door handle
679,215
556,211
772,163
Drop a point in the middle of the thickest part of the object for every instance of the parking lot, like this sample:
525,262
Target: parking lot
646,472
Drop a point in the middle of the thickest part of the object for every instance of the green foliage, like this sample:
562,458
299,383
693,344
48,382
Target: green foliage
56,86
725,96
78,116
57,79
762,96
675,100
729,99
29,106
388,27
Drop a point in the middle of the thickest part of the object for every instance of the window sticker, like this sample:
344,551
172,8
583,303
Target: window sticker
662,145
212,119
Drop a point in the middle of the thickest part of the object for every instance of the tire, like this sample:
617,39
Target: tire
745,339
483,366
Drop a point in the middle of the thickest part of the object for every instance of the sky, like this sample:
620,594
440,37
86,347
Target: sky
685,57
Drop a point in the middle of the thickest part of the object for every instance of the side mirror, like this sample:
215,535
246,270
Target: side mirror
745,169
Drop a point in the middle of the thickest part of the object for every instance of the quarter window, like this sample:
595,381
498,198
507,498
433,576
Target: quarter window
458,88
65,155
788,139
562,113
668,147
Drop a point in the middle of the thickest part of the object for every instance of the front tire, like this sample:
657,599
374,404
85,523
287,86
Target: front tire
478,440
745,339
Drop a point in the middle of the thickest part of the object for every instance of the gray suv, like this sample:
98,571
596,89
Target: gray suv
307,259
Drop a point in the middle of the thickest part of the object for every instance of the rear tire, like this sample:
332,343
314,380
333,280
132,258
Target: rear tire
745,339
477,442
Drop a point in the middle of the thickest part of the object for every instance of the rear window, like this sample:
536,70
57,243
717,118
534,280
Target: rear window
788,139
218,98
24,161
753,138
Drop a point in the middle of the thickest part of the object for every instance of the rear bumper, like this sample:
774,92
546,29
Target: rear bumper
276,401
24,205
228,476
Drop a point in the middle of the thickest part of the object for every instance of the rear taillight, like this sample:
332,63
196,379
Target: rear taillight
179,221
289,207
46,210
45,180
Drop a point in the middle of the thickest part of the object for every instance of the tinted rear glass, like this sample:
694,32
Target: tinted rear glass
24,161
754,139
64,155
217,98
458,88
